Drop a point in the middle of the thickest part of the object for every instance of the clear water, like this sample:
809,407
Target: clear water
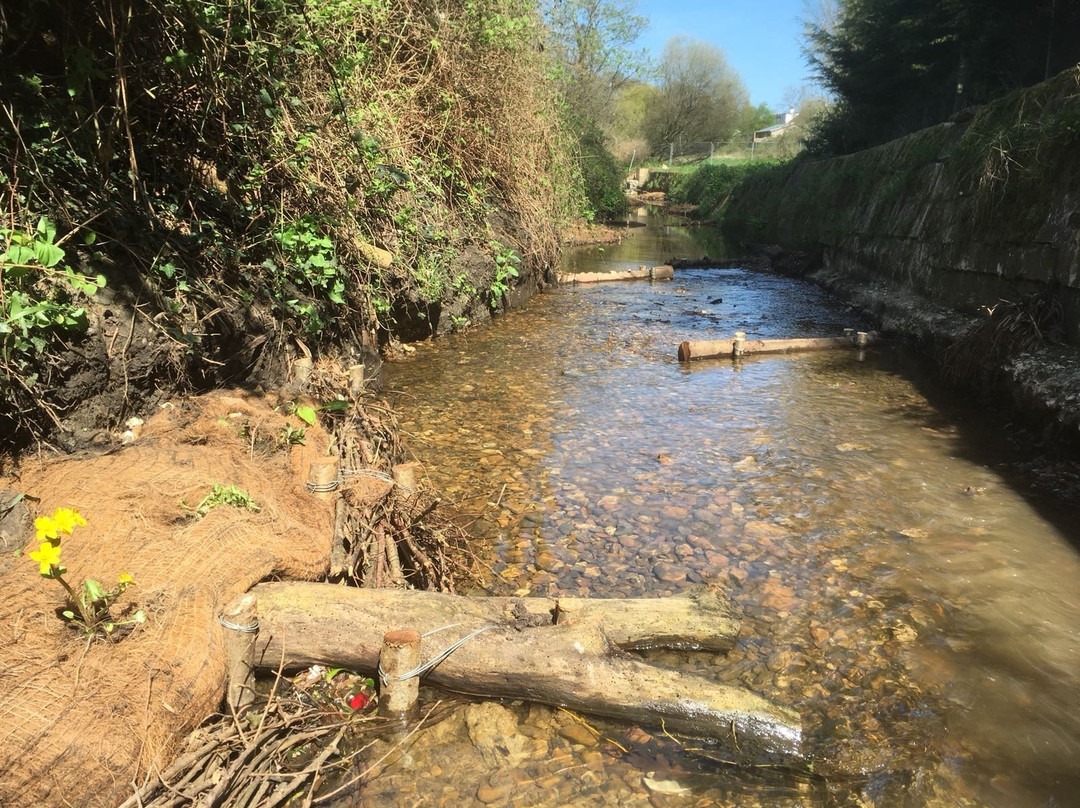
902,587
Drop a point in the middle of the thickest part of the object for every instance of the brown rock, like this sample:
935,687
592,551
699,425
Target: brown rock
670,573
490,794
576,733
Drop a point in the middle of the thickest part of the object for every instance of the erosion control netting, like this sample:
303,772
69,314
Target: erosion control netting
83,721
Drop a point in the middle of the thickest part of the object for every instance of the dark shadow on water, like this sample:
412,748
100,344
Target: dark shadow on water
992,435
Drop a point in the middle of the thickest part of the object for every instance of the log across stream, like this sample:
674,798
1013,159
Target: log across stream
568,652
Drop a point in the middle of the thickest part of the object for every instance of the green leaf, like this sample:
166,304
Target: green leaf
89,237
48,255
81,283
46,229
335,406
93,591
18,254
306,414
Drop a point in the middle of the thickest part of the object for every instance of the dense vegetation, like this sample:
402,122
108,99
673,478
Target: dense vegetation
896,66
710,186
246,181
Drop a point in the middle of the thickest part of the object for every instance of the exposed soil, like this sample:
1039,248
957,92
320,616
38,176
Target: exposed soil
581,233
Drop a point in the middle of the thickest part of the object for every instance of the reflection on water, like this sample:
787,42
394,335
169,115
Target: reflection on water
898,589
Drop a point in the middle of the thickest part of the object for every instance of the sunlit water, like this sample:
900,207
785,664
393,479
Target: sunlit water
900,586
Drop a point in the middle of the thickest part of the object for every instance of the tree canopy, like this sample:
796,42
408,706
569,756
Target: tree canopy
700,96
899,65
592,40
591,44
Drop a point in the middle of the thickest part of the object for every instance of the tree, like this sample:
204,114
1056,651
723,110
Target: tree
753,118
699,98
592,42
899,65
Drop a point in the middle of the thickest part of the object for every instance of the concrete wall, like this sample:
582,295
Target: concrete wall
967,213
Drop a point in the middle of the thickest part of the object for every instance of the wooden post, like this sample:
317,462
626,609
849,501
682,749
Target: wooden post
356,380
400,654
739,343
862,339
240,622
404,475
302,370
323,477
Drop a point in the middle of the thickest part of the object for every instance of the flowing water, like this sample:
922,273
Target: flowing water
901,586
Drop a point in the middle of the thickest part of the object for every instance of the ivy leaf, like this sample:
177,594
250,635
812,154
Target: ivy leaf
18,254
48,254
81,283
46,229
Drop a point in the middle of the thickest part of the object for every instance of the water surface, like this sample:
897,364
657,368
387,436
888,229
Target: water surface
901,585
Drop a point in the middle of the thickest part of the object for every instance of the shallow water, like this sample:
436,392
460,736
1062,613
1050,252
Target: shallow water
901,586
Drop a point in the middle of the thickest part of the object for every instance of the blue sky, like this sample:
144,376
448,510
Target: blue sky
760,38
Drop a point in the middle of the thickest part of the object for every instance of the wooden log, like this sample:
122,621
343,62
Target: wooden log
697,621
701,620
522,655
663,272
706,349
641,273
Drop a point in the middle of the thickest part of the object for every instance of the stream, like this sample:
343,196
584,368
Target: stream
902,584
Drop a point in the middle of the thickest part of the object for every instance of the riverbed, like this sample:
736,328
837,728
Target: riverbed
902,585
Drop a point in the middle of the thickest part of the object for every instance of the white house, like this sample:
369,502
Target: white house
784,120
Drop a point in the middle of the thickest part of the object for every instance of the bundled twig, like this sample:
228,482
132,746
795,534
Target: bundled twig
386,535
292,747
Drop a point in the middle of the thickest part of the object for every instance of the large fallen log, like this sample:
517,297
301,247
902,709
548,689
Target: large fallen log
524,652
657,273
707,349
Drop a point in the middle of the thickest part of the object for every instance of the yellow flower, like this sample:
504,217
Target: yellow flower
126,579
63,520
46,528
48,556
67,519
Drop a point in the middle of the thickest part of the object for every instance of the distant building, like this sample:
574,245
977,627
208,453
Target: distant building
784,121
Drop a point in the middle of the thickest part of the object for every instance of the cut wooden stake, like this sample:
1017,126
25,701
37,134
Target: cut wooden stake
323,477
404,475
356,380
240,622
302,369
399,656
